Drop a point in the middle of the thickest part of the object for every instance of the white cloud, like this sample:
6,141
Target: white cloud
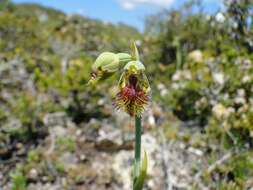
80,11
127,5
131,4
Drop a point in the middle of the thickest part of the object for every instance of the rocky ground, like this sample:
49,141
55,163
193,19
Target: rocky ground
99,154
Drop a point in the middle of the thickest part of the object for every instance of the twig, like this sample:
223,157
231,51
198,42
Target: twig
212,167
52,143
220,161
10,161
232,137
217,163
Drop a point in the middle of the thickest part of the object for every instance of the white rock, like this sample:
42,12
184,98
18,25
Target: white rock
33,174
58,131
198,152
69,160
219,78
151,120
122,167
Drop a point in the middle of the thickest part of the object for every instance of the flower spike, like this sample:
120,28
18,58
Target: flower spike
133,96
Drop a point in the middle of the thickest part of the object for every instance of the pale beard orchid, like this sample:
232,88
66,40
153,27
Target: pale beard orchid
134,89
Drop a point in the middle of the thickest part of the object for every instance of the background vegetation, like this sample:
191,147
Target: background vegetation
54,130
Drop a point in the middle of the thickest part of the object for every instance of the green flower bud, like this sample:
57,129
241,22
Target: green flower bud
106,62
105,65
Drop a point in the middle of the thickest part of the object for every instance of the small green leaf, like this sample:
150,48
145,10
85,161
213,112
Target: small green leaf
138,184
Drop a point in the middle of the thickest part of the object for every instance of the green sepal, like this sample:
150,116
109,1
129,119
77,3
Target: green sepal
106,62
139,181
124,57
135,52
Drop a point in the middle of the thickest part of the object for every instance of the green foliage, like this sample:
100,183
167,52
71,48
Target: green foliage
204,76
233,174
60,167
66,143
33,156
4,4
19,181
54,52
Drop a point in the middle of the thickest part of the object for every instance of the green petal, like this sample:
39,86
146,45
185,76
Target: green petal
134,66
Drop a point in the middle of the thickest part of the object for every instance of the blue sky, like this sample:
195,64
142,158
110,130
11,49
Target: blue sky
131,12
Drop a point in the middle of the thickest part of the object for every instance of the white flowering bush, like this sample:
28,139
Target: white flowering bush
216,93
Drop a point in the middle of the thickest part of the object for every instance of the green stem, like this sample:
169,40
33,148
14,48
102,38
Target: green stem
137,138
137,147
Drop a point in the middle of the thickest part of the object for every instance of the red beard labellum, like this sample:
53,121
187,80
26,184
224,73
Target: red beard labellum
131,97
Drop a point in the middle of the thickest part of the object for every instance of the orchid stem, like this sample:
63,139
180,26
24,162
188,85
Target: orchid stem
137,147
137,138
